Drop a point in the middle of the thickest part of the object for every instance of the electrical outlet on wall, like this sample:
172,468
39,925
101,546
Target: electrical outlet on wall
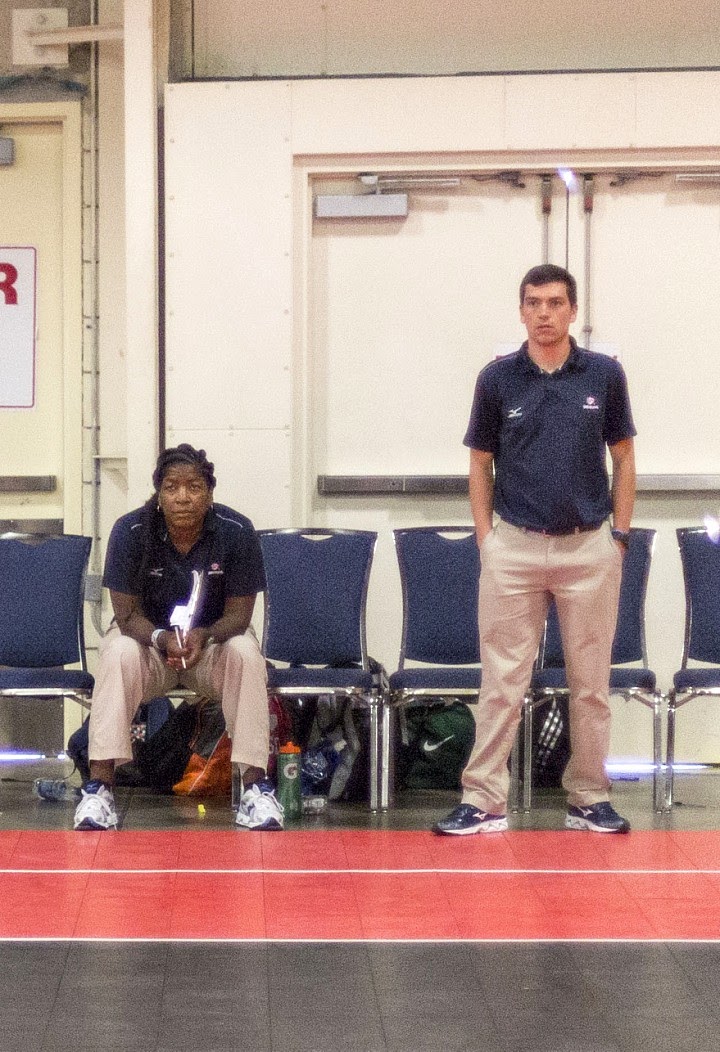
38,20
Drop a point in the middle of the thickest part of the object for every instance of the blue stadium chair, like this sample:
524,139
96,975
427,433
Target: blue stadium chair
700,558
314,626
42,583
630,676
439,573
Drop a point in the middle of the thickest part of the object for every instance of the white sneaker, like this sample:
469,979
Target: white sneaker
259,808
96,810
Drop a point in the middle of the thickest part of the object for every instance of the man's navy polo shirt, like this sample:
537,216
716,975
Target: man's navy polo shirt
228,551
548,435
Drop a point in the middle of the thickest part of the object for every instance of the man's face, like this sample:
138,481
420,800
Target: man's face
184,497
546,313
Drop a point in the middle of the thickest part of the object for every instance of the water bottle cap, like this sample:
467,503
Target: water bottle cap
289,747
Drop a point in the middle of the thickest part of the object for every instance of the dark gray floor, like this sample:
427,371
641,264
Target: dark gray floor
406,997
159,997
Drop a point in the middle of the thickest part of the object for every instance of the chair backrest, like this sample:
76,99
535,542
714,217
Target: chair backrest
700,557
317,582
42,582
629,642
439,572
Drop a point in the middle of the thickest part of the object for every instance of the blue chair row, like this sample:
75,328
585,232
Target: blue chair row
314,630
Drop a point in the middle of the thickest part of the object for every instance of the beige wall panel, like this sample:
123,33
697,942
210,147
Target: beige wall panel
679,109
229,240
252,470
406,313
245,38
656,257
398,116
570,112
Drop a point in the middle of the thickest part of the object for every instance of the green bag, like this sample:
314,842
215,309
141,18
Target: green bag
436,746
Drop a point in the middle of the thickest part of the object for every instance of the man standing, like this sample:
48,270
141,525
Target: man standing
540,424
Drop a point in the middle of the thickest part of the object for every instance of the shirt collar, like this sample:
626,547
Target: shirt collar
574,362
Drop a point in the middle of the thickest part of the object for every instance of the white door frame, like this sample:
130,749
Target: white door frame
67,113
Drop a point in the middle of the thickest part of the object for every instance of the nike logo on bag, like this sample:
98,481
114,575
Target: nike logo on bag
515,414
433,746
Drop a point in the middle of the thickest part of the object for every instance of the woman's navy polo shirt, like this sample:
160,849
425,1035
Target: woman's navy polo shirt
548,434
228,551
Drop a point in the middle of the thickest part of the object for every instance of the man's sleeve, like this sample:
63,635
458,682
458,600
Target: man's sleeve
619,423
485,417
245,574
121,559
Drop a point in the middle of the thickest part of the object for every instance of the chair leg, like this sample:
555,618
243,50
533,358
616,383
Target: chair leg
670,753
527,749
235,786
387,768
514,800
374,754
658,772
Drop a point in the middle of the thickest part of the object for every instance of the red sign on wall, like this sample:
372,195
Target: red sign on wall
17,327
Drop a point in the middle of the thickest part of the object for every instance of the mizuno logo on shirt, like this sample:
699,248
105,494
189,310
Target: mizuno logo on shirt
591,403
515,414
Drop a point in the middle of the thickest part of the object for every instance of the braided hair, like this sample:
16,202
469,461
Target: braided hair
184,454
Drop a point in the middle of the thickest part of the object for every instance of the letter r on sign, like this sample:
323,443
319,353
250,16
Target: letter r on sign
8,277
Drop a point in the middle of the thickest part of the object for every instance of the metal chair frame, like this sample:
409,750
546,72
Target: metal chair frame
693,650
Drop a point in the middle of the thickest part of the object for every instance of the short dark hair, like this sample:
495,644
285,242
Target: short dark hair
547,273
184,454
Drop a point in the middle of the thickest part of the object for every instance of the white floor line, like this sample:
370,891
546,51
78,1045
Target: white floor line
271,871
375,941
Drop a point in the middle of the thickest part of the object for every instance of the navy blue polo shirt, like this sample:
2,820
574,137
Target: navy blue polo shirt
228,551
548,434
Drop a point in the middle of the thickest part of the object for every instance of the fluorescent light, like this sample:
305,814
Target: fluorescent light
15,755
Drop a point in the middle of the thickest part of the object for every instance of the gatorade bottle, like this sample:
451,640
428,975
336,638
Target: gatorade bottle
288,779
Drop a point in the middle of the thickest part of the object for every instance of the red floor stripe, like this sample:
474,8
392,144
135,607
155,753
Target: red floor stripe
339,885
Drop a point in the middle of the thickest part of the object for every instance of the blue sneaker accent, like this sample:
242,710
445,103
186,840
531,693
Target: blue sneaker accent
598,818
259,808
96,809
467,819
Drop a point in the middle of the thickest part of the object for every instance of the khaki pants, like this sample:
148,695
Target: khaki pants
521,571
129,674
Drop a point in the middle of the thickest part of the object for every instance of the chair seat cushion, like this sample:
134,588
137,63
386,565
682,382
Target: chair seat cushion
449,679
697,679
620,679
325,679
45,679
632,679
549,679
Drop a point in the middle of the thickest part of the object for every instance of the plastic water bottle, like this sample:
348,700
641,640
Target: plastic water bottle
288,779
54,789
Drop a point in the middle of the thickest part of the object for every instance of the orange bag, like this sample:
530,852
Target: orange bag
208,775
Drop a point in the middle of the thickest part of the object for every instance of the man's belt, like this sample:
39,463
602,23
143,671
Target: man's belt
563,533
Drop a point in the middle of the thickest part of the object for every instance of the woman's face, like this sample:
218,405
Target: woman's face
184,497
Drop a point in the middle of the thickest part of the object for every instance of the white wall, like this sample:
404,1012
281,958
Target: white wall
310,321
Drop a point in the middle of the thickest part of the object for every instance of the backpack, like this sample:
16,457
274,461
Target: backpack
435,745
147,722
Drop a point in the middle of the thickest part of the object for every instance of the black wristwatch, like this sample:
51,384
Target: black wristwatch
623,536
